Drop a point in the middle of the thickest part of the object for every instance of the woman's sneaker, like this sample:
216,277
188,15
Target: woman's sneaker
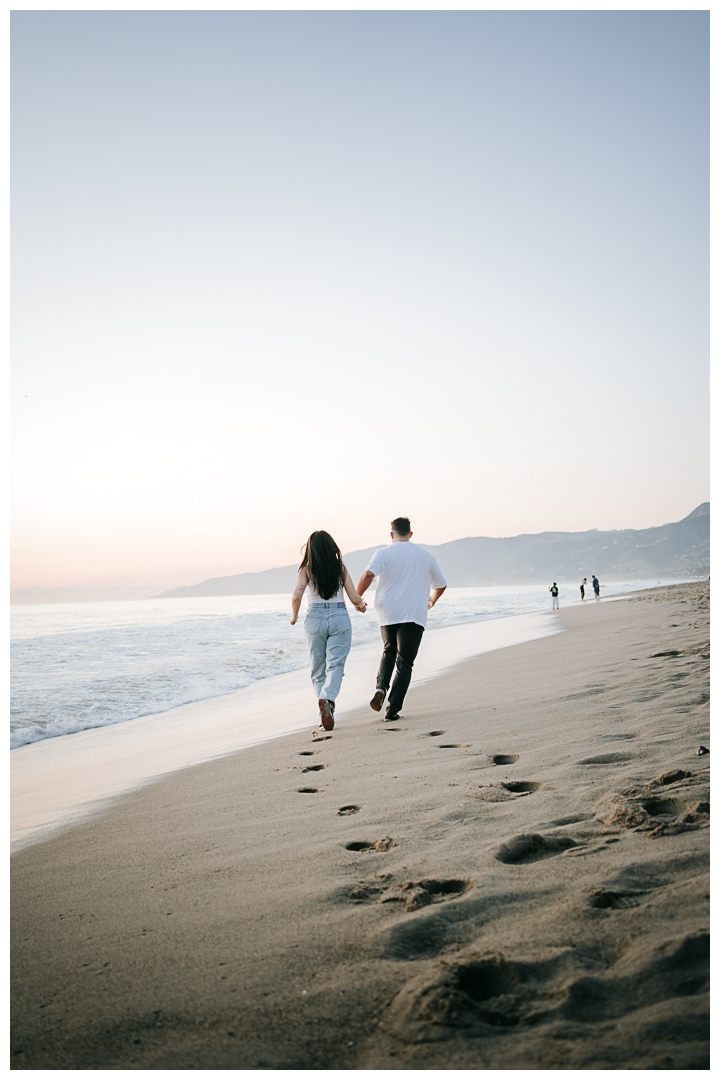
377,700
326,714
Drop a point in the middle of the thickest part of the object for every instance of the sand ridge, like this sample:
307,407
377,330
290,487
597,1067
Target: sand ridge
514,875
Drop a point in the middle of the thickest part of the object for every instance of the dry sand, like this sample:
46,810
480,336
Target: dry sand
515,875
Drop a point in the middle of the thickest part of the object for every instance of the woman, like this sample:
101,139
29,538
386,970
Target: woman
327,623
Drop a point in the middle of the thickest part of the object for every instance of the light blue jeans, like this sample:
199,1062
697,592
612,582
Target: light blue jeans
329,635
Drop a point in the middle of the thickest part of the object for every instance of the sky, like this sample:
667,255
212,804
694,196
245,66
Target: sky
281,271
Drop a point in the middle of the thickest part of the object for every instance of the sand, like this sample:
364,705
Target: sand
515,875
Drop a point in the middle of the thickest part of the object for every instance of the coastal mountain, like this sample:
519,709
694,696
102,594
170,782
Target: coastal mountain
680,549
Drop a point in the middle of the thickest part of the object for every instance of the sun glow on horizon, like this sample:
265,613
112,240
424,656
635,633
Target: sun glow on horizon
280,271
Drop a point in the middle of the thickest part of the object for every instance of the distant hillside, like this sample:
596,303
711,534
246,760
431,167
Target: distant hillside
679,549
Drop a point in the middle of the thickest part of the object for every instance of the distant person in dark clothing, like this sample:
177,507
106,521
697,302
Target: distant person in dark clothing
596,587
554,593
583,583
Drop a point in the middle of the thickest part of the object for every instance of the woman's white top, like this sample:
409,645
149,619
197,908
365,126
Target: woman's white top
315,598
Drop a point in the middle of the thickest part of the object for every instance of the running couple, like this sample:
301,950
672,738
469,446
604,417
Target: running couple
409,584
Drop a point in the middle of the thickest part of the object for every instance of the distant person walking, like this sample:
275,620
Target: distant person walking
596,587
583,583
554,591
327,623
409,584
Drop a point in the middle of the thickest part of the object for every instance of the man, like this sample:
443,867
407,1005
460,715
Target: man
596,587
554,593
409,584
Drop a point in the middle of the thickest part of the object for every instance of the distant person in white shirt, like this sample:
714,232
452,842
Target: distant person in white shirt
409,584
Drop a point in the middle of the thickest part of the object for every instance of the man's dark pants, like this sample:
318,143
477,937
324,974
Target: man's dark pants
402,641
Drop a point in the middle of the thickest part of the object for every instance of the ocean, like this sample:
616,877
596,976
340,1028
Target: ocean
76,666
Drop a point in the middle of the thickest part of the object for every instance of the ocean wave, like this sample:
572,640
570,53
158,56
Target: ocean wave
84,665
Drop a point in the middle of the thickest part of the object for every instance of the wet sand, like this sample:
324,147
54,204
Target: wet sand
515,875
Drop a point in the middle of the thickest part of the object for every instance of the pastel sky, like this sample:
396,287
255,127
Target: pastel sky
280,271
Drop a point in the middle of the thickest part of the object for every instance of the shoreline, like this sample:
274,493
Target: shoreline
669,580
58,782
76,705
514,876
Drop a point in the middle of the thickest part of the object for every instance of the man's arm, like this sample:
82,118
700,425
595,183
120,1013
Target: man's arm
365,582
435,596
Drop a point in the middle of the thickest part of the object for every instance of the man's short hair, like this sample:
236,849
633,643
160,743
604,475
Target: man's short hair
401,526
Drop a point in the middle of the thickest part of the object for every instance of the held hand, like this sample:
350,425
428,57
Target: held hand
293,621
362,607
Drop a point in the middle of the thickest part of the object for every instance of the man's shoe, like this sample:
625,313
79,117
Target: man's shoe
390,715
326,714
377,700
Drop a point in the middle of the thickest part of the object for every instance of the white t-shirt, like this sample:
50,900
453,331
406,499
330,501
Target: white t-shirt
406,573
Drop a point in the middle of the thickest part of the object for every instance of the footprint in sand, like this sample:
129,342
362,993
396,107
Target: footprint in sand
411,895
486,981
524,787
676,969
308,753
314,768
475,996
417,894
453,746
431,734
371,845
671,777
506,790
504,759
572,819
609,898
344,811
660,811
308,790
664,809
606,759
531,847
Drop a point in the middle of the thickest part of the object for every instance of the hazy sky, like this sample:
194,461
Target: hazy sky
280,271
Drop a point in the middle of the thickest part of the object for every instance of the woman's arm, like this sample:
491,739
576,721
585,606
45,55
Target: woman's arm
300,586
355,599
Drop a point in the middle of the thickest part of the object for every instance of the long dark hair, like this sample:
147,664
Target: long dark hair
323,561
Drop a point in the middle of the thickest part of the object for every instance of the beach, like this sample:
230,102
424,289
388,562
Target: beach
514,875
